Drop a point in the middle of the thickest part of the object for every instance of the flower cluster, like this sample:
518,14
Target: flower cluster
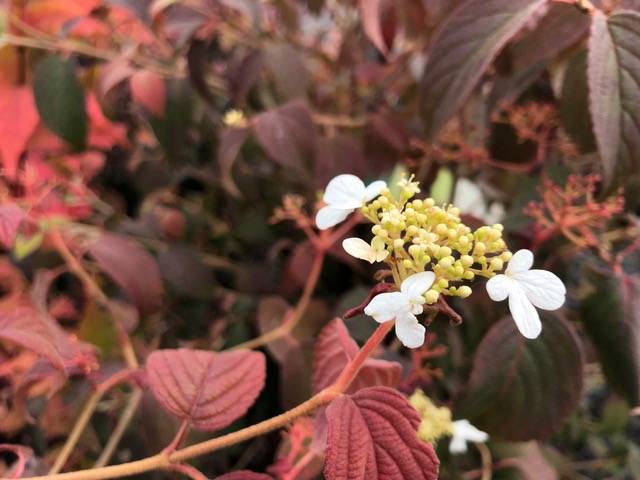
431,252
436,423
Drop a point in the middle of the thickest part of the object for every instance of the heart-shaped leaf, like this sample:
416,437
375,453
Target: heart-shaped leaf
614,97
333,351
132,268
611,316
524,389
372,436
467,44
208,389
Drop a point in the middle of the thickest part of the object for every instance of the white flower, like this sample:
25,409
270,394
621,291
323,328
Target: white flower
403,306
356,247
527,289
464,432
470,200
343,195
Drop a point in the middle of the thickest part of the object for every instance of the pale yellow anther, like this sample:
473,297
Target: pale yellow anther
414,251
398,243
496,263
464,291
466,260
431,296
441,229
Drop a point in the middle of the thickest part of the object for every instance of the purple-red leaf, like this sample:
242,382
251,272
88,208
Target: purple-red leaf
287,134
614,76
132,268
231,141
23,455
244,475
11,216
208,389
370,11
148,89
467,44
372,436
333,351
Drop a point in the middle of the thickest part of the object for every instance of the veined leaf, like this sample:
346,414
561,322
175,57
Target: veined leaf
208,389
372,436
467,44
614,90
333,351
524,389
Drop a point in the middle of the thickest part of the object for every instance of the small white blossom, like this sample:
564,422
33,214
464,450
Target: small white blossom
403,306
464,432
470,200
356,247
343,195
527,289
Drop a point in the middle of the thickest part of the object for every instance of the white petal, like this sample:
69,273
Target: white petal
464,429
498,287
373,190
345,191
544,289
356,247
327,217
468,198
524,313
457,445
387,306
521,261
418,283
410,331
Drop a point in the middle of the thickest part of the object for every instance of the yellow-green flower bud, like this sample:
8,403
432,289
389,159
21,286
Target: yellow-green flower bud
466,261
398,243
431,296
414,251
446,262
464,291
496,264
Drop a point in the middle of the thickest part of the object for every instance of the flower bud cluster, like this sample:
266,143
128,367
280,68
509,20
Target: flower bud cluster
436,421
421,235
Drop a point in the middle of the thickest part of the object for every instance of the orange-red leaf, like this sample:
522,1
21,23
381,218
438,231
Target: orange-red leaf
132,268
147,89
11,217
372,436
18,120
335,348
208,389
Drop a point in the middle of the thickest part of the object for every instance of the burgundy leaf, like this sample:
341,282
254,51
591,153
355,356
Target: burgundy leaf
244,475
536,384
148,89
614,75
23,455
287,134
208,389
370,11
231,141
333,351
372,435
11,216
132,268
467,44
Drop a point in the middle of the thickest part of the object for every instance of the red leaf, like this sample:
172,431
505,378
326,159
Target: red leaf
244,475
23,453
231,141
18,120
132,268
147,88
11,217
287,134
370,11
103,133
209,389
372,436
335,348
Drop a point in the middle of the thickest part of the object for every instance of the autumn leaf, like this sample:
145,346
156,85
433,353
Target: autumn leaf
18,120
11,216
132,268
333,351
614,74
209,390
148,89
372,436
467,44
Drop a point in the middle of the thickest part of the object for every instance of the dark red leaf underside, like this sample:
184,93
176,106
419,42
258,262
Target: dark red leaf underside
335,348
372,436
208,389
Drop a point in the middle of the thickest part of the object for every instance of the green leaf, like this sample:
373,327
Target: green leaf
611,317
614,90
442,186
524,389
25,246
467,44
60,100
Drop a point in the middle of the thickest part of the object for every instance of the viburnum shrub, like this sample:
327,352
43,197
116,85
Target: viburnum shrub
319,239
